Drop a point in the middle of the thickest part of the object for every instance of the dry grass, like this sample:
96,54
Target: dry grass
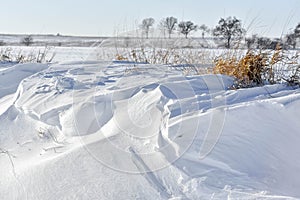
170,56
189,61
250,68
256,67
247,69
41,56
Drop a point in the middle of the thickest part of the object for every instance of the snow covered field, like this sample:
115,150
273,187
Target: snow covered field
124,39
85,129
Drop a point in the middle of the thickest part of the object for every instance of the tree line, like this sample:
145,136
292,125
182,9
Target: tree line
226,29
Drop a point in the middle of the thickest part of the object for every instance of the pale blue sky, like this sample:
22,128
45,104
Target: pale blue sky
102,18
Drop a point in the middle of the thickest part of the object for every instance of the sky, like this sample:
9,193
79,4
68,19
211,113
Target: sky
270,18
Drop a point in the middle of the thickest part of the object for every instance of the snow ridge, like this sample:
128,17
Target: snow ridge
111,130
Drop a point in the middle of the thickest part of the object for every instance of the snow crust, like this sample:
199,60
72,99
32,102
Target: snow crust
120,130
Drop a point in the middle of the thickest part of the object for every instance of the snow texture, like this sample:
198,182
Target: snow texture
120,130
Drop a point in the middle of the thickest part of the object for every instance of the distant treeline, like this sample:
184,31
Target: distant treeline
230,31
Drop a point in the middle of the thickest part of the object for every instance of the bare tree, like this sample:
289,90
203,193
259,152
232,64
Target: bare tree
186,27
291,40
250,41
169,24
297,31
28,40
204,29
228,28
146,24
161,27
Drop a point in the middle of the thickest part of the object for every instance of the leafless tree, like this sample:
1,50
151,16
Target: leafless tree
297,31
169,24
291,40
186,27
204,29
250,41
229,28
28,40
146,24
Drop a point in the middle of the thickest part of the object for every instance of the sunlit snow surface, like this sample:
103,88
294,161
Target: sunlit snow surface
117,130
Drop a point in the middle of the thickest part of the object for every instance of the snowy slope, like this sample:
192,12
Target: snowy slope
117,130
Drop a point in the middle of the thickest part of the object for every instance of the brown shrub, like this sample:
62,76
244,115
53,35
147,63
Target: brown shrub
254,68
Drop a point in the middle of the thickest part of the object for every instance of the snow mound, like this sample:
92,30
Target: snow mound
119,130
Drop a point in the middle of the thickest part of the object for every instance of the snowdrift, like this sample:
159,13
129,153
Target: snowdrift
120,130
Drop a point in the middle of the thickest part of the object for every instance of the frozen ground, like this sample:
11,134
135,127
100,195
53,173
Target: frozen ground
122,40
119,130
51,40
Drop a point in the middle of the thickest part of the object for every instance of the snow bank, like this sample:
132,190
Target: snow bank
13,75
101,130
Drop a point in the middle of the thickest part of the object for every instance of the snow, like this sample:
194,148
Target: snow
121,130
51,40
